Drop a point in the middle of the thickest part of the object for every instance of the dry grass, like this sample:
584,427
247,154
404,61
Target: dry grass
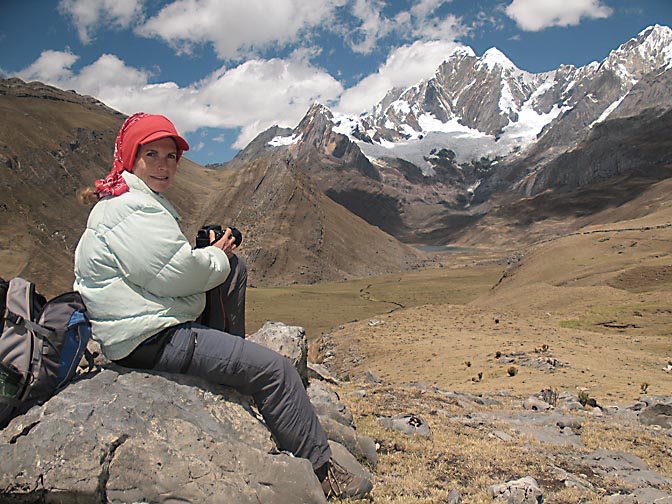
464,454
599,306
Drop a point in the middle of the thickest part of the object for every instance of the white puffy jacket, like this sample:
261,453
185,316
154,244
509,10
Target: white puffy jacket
137,272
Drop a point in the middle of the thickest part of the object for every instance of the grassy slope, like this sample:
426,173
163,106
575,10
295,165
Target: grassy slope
598,301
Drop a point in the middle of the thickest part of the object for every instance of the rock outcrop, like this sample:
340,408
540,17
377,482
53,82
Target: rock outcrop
126,436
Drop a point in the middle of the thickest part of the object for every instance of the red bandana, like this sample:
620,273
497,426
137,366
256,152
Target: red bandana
137,130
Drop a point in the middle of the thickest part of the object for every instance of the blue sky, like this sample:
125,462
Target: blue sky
225,70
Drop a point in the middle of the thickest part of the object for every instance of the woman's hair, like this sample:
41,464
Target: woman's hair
88,196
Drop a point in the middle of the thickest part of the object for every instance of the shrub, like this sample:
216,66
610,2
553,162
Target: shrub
550,396
512,371
586,400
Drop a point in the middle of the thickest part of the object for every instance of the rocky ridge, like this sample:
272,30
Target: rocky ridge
482,133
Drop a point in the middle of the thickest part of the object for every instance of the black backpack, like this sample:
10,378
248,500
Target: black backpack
41,344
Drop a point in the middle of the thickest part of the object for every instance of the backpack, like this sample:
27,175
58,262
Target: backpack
41,344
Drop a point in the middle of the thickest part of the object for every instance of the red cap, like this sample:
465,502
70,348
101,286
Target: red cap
137,130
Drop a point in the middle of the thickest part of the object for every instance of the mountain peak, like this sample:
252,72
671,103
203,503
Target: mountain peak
318,108
494,57
463,51
655,30
652,48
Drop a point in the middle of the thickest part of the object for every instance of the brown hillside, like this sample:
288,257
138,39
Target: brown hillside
54,143
294,233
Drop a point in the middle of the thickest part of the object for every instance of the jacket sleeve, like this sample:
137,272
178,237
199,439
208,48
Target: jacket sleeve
152,252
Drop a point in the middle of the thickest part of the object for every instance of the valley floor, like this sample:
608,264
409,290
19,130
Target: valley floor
587,315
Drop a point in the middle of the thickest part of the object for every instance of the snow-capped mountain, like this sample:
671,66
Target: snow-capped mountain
486,106
433,155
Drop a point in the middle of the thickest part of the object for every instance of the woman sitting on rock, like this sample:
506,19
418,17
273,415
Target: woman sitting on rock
145,289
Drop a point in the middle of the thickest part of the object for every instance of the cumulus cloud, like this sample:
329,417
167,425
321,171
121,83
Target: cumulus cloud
246,29
421,22
252,96
260,93
251,92
87,15
51,66
372,26
404,67
535,15
238,29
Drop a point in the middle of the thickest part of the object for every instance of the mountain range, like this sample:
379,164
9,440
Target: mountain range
482,154
434,159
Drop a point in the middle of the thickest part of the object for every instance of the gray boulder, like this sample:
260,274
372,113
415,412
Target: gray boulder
127,436
362,447
408,424
289,341
327,403
645,495
625,467
536,404
657,414
522,491
319,372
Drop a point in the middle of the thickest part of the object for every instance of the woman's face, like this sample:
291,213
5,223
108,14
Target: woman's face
156,163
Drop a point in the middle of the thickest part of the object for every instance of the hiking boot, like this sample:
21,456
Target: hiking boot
340,483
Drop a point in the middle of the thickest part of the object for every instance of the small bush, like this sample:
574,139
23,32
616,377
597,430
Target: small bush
498,354
586,400
467,363
512,371
644,387
583,397
550,396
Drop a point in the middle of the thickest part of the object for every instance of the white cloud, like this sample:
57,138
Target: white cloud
424,8
252,96
448,28
372,26
419,23
404,67
87,15
535,15
244,29
260,93
237,29
51,66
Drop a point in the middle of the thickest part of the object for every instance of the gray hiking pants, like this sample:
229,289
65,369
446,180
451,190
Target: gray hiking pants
220,357
225,304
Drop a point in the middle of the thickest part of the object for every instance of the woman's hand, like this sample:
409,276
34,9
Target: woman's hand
226,242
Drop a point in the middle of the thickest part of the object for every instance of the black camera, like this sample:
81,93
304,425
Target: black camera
203,235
